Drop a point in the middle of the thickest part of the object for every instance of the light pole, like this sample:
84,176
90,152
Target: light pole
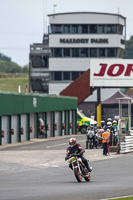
54,5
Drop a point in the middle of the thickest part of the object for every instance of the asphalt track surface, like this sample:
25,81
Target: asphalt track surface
37,171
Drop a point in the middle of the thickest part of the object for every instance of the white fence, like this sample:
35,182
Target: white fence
127,145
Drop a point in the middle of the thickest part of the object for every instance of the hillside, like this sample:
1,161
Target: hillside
10,82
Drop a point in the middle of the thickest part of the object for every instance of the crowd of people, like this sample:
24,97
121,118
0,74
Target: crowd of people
102,136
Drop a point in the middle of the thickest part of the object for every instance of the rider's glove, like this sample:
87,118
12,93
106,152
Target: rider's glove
79,155
66,158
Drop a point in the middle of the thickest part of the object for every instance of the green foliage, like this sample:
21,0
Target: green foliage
128,52
25,69
4,58
126,198
9,67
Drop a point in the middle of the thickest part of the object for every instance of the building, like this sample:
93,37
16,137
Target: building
73,40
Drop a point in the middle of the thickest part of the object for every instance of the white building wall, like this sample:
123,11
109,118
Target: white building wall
69,64
86,18
113,40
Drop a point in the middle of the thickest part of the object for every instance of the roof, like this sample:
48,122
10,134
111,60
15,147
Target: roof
100,13
114,99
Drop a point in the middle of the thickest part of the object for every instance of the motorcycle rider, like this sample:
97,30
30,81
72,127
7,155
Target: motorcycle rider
76,148
115,126
90,134
103,125
110,127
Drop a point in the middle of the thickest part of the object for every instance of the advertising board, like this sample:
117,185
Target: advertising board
111,73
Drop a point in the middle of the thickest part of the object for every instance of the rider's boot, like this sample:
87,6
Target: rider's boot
88,167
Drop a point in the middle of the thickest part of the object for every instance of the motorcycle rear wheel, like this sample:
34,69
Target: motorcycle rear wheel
77,175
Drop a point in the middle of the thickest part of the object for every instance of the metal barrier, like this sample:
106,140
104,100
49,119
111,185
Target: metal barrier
126,146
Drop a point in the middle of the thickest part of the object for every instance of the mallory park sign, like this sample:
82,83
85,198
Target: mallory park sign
111,73
84,40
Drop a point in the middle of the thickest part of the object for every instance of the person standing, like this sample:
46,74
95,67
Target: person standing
108,141
105,138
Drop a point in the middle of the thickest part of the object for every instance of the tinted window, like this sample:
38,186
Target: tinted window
93,52
74,29
101,52
66,52
75,52
84,52
75,75
66,76
93,28
57,76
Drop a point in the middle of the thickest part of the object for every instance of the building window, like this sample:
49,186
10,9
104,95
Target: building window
57,76
84,52
93,28
66,28
120,29
66,76
111,52
75,52
66,52
56,28
102,52
93,52
75,75
57,52
101,29
84,28
74,29
112,28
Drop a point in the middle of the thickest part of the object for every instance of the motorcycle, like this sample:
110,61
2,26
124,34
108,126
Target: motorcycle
79,168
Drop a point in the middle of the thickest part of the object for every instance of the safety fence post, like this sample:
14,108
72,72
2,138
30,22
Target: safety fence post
19,128
28,126
0,130
68,122
60,123
10,136
53,129
37,126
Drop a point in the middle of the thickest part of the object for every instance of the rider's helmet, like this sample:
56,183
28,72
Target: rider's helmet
114,123
95,123
109,120
102,122
72,141
92,124
109,124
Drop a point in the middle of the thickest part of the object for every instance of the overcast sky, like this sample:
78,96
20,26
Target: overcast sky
23,22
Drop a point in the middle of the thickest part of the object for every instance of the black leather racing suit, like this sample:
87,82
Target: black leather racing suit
77,149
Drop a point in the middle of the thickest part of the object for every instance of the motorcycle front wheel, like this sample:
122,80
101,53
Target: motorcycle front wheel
88,178
77,175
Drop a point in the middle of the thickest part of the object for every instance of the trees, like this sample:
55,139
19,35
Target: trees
128,52
4,58
7,66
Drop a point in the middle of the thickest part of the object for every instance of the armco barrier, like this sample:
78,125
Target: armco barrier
127,145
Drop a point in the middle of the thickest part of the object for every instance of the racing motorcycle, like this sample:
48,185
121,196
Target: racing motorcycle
79,168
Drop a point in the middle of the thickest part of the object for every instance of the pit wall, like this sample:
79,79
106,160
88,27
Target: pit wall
19,114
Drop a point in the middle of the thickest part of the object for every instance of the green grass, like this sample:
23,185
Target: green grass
125,198
11,82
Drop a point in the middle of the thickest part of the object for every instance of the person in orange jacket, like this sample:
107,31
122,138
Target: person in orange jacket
105,139
108,141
